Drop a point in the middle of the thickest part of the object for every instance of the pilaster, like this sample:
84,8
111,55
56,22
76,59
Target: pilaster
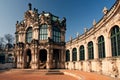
78,55
95,43
108,49
86,51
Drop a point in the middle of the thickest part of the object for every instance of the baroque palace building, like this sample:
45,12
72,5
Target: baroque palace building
98,49
40,43
40,40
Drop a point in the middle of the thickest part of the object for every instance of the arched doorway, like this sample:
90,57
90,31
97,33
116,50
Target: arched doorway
28,58
56,58
42,58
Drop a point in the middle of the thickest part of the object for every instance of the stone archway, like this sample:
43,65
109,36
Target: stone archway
28,58
42,58
56,58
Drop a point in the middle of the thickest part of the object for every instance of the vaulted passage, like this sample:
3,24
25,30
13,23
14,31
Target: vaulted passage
56,58
42,58
28,58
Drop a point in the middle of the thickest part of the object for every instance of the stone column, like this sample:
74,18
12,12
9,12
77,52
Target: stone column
86,63
33,58
71,55
36,33
86,51
108,49
70,58
96,61
21,60
36,59
18,59
62,36
78,55
49,58
95,43
78,58
49,31
62,58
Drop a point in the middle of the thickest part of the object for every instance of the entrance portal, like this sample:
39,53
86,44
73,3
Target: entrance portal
56,58
28,58
42,58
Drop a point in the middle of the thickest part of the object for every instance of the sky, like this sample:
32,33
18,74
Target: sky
79,13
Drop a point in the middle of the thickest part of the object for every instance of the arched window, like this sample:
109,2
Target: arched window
74,54
67,55
56,34
43,32
90,50
29,35
82,53
101,47
115,41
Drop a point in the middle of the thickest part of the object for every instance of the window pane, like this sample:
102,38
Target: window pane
82,55
90,50
101,47
115,41
43,32
74,54
29,35
56,34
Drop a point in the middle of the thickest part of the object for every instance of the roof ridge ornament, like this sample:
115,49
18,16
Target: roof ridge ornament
105,10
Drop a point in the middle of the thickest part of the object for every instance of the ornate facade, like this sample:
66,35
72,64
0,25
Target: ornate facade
98,49
40,41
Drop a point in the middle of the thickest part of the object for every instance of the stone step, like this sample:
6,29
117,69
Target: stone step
54,72
40,71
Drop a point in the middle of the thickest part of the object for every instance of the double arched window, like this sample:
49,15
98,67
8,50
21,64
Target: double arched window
29,35
101,47
43,32
74,54
82,53
115,41
90,50
67,55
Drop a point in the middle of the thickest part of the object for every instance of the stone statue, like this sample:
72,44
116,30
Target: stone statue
63,22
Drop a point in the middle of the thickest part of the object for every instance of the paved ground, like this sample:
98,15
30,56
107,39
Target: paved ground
50,75
41,75
89,75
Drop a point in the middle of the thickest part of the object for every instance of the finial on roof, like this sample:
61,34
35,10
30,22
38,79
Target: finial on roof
94,22
70,38
85,29
30,6
77,34
105,10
